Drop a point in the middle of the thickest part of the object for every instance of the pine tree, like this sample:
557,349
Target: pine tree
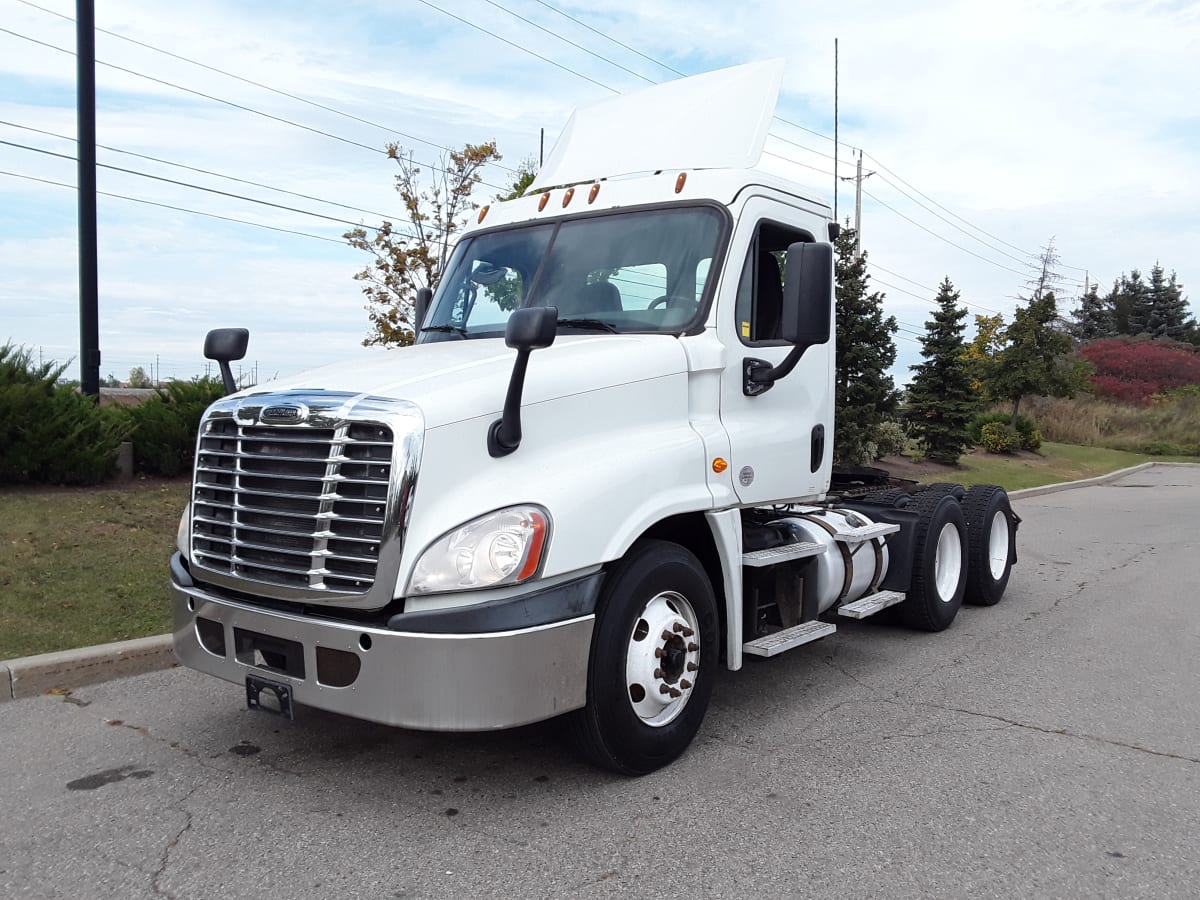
1168,311
1094,317
865,393
1038,359
941,399
1135,296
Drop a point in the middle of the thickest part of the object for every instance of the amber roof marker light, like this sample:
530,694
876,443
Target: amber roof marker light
680,182
567,196
593,192
545,199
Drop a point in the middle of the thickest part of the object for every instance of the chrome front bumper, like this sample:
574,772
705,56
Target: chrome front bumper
433,681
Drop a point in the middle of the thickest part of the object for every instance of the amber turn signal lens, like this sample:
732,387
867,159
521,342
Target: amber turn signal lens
719,465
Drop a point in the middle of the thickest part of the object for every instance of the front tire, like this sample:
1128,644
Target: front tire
653,659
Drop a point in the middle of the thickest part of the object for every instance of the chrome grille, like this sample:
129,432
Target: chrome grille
295,506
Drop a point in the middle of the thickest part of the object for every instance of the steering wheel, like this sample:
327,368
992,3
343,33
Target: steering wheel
673,301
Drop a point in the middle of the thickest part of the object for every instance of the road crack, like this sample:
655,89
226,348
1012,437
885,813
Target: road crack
165,857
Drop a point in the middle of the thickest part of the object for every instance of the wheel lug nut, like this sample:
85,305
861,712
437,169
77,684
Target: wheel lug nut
658,673
666,635
684,683
687,632
659,652
677,627
692,667
675,693
693,646
663,689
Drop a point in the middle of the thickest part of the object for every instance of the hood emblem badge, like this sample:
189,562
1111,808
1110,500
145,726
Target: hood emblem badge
289,414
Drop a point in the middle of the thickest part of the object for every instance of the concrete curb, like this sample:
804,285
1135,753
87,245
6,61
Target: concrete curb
30,676
69,669
1087,482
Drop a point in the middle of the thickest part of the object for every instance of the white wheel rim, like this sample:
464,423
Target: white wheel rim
947,562
998,545
663,659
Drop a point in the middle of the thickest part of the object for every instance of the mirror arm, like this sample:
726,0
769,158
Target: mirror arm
504,436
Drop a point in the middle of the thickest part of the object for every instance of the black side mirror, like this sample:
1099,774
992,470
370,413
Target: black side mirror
807,313
527,330
224,345
807,291
420,307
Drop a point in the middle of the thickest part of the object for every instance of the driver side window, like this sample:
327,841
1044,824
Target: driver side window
759,306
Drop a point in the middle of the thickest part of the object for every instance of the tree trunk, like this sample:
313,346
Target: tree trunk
1016,407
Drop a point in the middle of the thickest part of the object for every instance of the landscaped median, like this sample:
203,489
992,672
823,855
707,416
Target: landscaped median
83,572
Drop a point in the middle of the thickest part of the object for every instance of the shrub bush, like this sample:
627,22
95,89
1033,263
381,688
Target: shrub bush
1025,425
890,439
164,427
1170,425
1133,370
998,437
50,433
1031,440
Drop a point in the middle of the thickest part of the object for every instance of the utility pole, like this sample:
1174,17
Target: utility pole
858,177
85,109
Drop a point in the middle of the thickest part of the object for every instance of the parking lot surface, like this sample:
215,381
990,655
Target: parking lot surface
1045,747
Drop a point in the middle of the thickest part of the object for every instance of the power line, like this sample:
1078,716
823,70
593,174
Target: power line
178,165
518,46
195,187
258,84
230,103
183,209
945,239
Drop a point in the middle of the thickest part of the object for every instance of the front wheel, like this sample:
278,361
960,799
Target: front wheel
654,655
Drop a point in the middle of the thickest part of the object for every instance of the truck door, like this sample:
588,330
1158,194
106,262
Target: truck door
781,440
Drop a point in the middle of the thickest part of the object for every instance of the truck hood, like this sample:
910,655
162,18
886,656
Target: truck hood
456,380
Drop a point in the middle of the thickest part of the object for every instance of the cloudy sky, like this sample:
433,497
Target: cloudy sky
991,128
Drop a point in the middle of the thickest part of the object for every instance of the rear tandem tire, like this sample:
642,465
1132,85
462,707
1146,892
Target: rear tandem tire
939,577
991,543
629,724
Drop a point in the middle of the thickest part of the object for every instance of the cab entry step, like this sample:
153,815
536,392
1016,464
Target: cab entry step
777,643
783,553
870,604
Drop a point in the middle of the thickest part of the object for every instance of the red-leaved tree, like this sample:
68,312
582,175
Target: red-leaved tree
1131,371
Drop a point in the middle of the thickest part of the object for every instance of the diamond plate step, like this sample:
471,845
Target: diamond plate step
870,604
774,555
866,532
774,644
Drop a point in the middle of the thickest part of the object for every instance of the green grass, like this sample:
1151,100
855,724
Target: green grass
85,566
1055,463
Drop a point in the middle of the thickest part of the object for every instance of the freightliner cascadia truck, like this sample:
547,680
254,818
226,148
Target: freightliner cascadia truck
601,473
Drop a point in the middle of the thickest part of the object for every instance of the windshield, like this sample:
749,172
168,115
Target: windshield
627,272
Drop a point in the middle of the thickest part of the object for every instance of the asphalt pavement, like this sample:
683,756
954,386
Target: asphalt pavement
1045,747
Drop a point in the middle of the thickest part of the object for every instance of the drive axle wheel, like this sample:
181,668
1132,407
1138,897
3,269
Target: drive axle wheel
939,575
654,652
991,541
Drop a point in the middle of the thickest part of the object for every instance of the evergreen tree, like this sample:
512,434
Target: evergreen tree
1168,310
1038,359
865,393
1094,317
941,399
1135,296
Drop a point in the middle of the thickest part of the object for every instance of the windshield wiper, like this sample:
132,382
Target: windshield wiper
597,324
450,329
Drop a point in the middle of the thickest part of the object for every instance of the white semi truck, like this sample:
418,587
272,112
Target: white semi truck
602,473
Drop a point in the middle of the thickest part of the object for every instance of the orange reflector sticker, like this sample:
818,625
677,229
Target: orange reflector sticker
719,465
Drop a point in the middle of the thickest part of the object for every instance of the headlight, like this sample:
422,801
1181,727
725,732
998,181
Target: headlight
504,547
183,532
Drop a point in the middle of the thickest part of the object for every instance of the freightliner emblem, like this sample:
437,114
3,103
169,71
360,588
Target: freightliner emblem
290,414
